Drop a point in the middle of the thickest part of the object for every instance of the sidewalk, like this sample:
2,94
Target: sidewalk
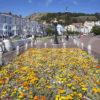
91,44
95,44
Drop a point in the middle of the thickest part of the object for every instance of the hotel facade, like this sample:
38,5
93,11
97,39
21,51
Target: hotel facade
13,25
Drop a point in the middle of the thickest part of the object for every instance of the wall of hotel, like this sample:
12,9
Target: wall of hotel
10,24
24,27
17,26
5,24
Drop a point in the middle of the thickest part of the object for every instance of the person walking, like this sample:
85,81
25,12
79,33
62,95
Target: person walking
67,37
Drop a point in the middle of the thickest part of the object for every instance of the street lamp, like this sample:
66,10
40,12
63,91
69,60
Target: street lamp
66,37
55,22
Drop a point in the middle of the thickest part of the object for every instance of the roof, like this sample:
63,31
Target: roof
9,14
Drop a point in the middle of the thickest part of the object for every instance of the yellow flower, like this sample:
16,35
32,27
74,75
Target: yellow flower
80,95
60,91
57,97
73,88
84,89
96,90
33,80
3,93
1,81
42,69
62,98
31,97
49,86
69,85
69,97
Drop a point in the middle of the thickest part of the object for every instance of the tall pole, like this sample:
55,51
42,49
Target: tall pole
66,9
56,33
67,37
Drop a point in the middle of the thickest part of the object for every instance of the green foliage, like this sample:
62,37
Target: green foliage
66,17
96,30
84,18
97,15
69,18
73,33
16,37
49,31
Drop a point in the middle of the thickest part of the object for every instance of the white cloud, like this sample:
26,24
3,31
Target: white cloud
75,2
48,2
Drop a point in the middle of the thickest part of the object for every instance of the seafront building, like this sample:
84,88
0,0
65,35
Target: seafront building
85,27
13,25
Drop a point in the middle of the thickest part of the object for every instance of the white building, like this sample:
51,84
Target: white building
16,25
75,27
10,24
97,23
5,24
83,28
70,28
90,24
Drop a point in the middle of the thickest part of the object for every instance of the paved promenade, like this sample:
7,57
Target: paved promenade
88,43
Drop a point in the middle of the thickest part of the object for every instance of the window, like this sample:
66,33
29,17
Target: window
9,27
5,27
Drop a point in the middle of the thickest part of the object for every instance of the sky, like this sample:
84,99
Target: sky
27,7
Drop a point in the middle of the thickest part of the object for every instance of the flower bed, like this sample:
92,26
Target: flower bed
49,74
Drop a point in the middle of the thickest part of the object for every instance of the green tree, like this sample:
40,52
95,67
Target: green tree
73,33
96,30
49,31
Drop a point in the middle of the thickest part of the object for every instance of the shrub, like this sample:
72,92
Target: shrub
96,30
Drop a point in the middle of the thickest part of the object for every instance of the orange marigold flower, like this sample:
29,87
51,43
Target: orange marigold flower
30,93
26,88
69,97
43,98
36,98
21,94
60,91
97,66
25,84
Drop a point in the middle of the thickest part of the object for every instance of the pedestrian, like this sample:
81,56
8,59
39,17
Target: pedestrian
67,37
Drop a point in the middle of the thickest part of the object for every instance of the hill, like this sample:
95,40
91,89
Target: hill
36,16
66,17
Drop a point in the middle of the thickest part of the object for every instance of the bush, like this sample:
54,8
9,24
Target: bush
73,33
49,31
96,30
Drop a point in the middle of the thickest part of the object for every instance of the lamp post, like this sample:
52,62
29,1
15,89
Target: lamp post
66,37
55,22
